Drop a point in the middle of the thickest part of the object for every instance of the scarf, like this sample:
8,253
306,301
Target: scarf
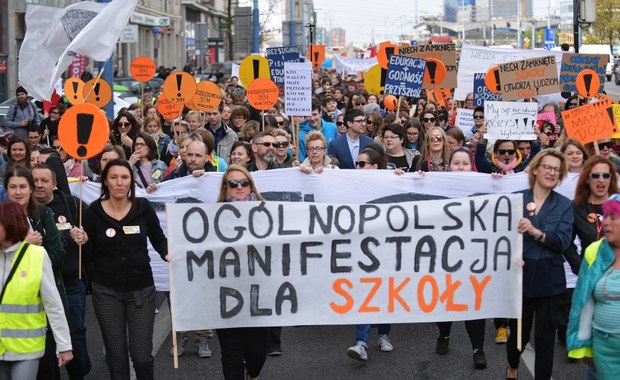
509,167
249,198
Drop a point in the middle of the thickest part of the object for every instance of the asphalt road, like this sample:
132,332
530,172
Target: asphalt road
612,89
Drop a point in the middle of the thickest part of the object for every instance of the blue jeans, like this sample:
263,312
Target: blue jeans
362,332
76,295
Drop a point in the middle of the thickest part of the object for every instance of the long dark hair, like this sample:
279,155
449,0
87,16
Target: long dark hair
22,171
105,191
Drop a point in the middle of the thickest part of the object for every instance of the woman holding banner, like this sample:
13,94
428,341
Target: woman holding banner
435,152
506,157
547,228
118,225
244,349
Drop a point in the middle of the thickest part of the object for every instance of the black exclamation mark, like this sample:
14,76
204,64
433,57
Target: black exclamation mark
84,128
256,66
432,68
316,59
96,89
610,113
389,52
587,80
383,75
498,87
179,81
75,88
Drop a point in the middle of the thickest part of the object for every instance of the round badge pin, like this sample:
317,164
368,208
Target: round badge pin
22,273
592,218
62,219
531,207
110,232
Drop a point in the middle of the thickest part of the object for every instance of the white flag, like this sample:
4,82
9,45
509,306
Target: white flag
55,35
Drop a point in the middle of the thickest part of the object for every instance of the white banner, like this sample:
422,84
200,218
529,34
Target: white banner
353,65
510,120
465,119
476,59
298,88
287,264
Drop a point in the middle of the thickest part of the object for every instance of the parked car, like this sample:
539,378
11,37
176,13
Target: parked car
615,68
134,86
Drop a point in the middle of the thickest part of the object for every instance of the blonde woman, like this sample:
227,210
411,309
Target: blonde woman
316,159
435,152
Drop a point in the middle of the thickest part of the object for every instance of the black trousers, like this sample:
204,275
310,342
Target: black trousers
475,331
544,311
241,344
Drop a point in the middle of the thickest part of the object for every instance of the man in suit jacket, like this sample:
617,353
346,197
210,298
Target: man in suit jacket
346,147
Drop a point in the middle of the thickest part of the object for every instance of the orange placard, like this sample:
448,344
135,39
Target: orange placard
98,92
83,131
435,71
180,87
208,96
491,80
262,94
390,102
438,96
590,122
386,50
588,83
142,69
74,90
168,109
316,55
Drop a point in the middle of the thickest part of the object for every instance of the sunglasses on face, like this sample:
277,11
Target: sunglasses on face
360,104
361,164
428,119
121,124
234,183
572,104
548,133
436,138
598,175
506,151
339,123
283,144
479,117
267,144
605,145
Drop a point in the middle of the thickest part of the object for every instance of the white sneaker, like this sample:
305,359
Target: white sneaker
384,344
203,348
358,352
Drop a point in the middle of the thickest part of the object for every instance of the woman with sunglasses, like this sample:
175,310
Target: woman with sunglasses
545,135
575,154
506,157
373,123
605,150
435,152
593,326
596,183
244,349
283,156
125,128
547,228
428,120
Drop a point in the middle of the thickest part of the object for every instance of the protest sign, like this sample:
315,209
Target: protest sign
208,96
142,69
288,264
276,57
445,53
404,76
434,73
83,131
374,80
252,67
465,119
98,92
179,87
616,111
262,94
529,78
590,122
482,92
573,64
476,59
439,96
298,88
74,90
510,120
385,52
588,83
316,55
167,109
491,80
344,65
547,116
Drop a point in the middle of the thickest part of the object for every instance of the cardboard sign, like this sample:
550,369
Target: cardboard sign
482,92
590,122
573,64
297,263
385,52
298,88
74,90
435,72
262,94
83,131
547,116
438,96
180,87
208,96
168,109
445,53
97,92
491,80
316,55
465,119
529,78
588,83
276,57
404,76
616,111
511,120
252,67
374,80
142,69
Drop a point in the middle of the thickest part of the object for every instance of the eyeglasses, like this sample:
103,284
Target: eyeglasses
315,149
120,124
436,138
479,117
428,119
360,104
548,133
572,104
506,151
267,144
233,183
598,175
368,121
551,169
413,134
55,112
605,145
361,121
139,145
361,164
339,123
283,144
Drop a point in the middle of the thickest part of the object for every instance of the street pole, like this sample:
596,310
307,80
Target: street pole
108,76
292,39
576,41
255,28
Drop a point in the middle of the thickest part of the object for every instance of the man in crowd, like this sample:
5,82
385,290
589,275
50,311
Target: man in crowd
346,147
21,113
196,163
224,136
314,122
264,148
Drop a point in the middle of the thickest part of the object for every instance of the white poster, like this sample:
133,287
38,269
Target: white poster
465,119
289,264
298,88
511,120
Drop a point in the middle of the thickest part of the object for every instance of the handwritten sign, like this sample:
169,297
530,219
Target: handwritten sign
465,119
616,111
529,78
510,120
590,122
446,53
481,92
276,57
297,263
298,88
573,64
404,76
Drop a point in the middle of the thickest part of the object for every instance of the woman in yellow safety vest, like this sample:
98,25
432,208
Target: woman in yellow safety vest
28,299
